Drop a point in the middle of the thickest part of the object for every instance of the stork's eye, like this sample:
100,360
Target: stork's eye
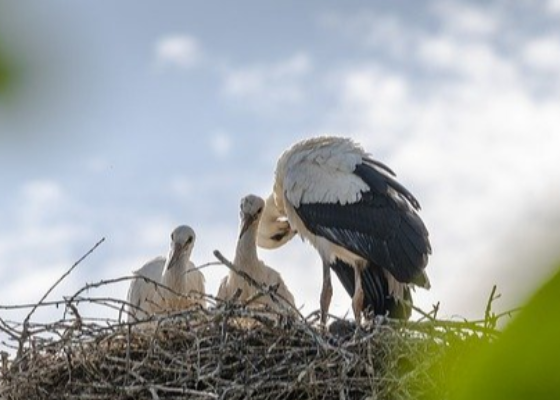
172,238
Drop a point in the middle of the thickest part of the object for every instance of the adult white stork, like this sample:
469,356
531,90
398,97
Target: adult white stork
175,272
247,260
360,219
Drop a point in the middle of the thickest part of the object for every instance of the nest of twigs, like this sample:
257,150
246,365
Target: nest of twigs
232,351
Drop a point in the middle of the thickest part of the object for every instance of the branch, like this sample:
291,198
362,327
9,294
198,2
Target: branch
275,296
28,317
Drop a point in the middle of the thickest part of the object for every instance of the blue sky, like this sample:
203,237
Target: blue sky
129,119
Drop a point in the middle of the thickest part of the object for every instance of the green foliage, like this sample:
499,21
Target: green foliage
524,363
8,74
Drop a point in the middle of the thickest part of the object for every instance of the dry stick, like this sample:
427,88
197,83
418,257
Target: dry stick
12,307
8,330
488,312
104,282
461,325
486,325
75,297
64,276
28,317
424,314
89,286
154,394
472,325
184,390
284,304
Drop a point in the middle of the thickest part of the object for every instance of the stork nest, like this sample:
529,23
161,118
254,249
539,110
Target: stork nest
232,351
236,352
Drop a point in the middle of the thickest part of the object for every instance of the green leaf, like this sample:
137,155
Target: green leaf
524,363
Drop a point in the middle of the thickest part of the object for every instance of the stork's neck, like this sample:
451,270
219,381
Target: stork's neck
246,251
173,277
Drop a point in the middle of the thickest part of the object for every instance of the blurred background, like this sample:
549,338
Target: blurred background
124,120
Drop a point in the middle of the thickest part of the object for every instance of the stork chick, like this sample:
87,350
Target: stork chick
175,272
246,260
363,223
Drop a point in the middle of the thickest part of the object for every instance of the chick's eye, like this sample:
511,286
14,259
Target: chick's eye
189,240
259,210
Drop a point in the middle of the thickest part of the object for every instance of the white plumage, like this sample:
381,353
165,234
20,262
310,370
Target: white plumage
274,229
175,272
246,260
360,219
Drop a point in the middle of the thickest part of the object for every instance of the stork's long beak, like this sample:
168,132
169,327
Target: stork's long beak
247,222
174,254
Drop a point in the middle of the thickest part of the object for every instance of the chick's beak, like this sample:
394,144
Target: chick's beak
173,256
176,251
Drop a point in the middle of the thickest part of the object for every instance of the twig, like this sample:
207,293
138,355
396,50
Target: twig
284,304
63,277
28,317
489,318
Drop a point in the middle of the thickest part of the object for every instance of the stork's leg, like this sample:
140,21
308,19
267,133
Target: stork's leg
358,298
326,292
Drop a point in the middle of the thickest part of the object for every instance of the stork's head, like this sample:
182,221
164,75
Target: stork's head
274,228
182,243
251,208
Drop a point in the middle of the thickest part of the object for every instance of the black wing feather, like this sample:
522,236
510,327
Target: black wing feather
381,181
382,227
380,165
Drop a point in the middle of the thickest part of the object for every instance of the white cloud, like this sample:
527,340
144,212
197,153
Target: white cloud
38,244
270,85
461,46
466,18
97,164
181,186
542,54
476,147
387,94
221,144
41,227
373,29
472,60
44,204
553,6
390,34
42,192
178,50
479,164
154,232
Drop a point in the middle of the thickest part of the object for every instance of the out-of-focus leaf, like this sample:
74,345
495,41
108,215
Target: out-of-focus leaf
525,362
7,74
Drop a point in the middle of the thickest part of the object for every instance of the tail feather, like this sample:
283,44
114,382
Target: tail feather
376,290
